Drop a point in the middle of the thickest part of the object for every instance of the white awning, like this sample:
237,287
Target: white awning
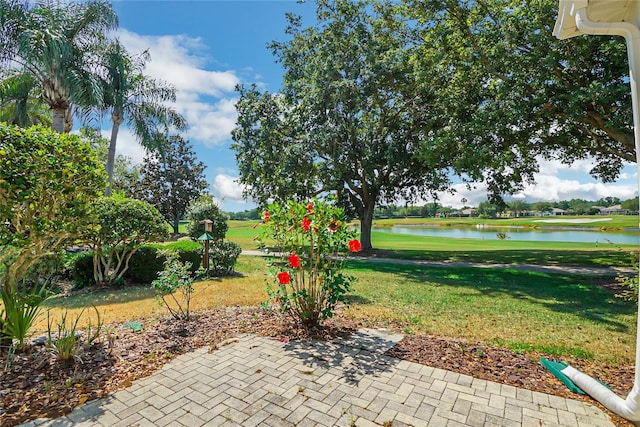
597,11
621,18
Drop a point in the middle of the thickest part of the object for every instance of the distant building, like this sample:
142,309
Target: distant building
469,212
612,210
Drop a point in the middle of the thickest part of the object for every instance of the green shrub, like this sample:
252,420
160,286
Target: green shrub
82,270
223,257
125,225
187,251
46,270
145,264
312,241
201,210
49,183
148,260
192,256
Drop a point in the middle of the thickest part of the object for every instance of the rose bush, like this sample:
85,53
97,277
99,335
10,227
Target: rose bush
311,242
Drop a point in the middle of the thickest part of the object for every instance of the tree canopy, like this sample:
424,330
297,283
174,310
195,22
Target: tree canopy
54,42
350,117
205,208
172,180
514,92
48,185
136,100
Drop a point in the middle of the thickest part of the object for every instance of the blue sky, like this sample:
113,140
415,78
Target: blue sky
206,48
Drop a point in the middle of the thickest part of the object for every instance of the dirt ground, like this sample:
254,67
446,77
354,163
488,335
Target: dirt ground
36,385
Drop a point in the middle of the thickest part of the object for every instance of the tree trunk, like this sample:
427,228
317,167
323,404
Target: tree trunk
366,223
111,155
176,224
57,119
68,120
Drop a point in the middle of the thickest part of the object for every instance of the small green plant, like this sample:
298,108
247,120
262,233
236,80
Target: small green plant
352,418
21,309
10,357
66,343
312,241
174,287
134,326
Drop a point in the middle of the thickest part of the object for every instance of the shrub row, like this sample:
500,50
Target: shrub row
148,261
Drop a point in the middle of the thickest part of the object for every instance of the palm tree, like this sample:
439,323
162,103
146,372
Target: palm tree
21,103
136,100
55,42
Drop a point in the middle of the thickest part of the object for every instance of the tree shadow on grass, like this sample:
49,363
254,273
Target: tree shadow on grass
577,295
590,258
356,299
100,297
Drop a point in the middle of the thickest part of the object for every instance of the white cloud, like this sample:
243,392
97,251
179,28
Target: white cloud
472,196
227,188
553,188
211,123
554,167
555,181
181,60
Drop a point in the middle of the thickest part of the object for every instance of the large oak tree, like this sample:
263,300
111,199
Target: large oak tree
350,117
514,93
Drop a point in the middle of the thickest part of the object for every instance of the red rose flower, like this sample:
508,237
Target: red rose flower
266,216
306,224
294,260
355,245
284,278
310,207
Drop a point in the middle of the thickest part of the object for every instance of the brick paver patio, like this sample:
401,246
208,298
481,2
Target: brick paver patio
256,381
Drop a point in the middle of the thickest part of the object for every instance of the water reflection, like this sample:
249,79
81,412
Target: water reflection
537,235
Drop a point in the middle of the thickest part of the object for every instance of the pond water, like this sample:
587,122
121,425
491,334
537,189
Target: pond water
537,235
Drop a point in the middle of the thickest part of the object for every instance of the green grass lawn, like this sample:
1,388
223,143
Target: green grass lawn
554,313
557,314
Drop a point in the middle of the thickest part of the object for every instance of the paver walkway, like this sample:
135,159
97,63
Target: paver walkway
256,381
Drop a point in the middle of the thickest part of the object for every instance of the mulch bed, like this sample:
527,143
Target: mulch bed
36,385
